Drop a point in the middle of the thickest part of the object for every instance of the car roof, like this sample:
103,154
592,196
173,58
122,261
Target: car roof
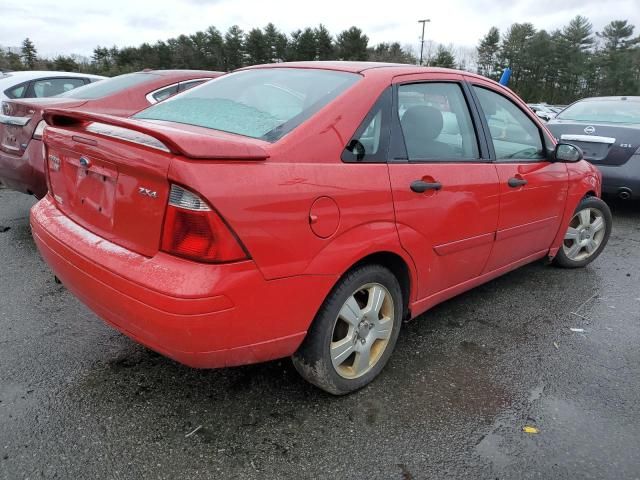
204,73
361,67
24,75
9,79
630,98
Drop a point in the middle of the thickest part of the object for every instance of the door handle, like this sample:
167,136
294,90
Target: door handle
420,186
516,182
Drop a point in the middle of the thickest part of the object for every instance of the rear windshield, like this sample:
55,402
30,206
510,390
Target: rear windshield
109,86
261,103
611,111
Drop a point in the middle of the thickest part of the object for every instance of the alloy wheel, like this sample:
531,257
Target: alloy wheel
362,330
585,234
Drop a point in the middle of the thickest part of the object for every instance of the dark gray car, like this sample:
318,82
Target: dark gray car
607,129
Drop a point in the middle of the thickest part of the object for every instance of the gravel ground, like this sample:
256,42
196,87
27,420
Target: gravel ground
79,400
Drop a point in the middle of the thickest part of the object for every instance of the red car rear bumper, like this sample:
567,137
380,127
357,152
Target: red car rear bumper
200,315
24,173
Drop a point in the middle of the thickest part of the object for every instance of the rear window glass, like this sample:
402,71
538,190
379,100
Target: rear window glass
613,111
261,103
109,86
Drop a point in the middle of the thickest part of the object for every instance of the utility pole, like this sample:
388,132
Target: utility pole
423,22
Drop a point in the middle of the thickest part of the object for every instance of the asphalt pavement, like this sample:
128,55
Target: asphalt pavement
79,400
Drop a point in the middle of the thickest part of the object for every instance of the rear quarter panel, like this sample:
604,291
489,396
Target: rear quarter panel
268,203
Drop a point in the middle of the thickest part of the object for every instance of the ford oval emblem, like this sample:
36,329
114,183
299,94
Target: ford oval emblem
590,130
84,162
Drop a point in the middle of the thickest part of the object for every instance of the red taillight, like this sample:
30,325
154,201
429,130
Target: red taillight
194,230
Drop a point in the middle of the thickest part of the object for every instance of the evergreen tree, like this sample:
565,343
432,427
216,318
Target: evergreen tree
575,41
616,60
233,48
102,60
292,46
256,48
352,44
14,61
276,43
515,53
488,51
324,43
391,53
306,45
66,64
214,48
29,54
443,58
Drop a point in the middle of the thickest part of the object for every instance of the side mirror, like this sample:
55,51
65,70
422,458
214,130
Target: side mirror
566,152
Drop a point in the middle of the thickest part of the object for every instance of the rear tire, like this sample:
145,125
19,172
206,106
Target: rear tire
354,333
587,234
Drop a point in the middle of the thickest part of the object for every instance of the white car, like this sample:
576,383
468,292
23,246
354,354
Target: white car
31,84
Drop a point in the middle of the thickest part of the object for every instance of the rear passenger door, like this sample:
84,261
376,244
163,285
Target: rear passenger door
533,189
444,185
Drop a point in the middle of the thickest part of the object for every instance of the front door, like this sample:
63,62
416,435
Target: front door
445,190
533,190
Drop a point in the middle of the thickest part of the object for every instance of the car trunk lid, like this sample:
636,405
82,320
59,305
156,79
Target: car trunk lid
109,174
602,144
19,120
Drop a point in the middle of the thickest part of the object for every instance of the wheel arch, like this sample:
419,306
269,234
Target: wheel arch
373,243
397,265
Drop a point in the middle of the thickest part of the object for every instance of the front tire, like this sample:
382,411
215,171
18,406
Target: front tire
587,234
354,333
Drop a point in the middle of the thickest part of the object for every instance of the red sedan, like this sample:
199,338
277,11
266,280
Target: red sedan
21,124
306,210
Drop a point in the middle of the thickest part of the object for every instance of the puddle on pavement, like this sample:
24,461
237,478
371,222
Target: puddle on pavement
489,448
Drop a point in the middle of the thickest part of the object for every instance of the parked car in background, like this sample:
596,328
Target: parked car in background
607,129
543,111
307,209
33,84
21,123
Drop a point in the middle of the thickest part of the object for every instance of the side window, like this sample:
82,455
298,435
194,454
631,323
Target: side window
370,142
190,84
436,122
55,86
17,91
165,93
514,134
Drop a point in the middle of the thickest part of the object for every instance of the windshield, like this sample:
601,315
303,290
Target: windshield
109,86
260,103
611,111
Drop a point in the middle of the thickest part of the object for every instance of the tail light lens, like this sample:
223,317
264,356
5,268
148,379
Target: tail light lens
192,229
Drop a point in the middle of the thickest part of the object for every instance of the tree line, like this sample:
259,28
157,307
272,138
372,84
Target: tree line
557,67
565,64
214,50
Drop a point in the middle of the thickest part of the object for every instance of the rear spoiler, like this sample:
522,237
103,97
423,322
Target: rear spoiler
217,145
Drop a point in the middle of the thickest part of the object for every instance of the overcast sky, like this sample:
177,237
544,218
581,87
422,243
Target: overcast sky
77,26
